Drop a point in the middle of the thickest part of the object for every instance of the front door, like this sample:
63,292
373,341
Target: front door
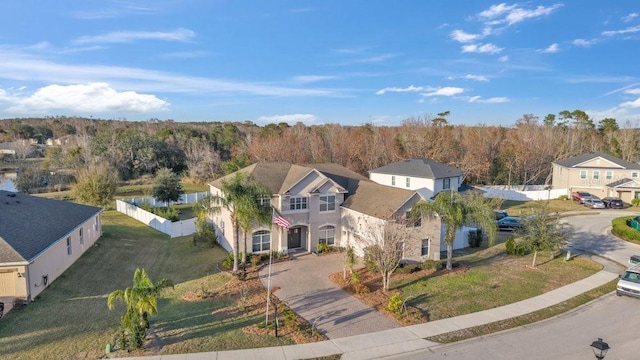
294,238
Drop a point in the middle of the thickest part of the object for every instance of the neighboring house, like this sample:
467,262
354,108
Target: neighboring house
598,173
39,239
426,176
7,148
63,140
326,203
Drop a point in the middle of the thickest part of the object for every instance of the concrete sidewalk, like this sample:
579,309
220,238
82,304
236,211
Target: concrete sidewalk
411,338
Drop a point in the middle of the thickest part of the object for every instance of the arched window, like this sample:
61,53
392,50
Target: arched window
327,234
261,241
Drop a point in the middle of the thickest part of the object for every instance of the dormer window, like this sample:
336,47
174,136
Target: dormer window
446,184
327,202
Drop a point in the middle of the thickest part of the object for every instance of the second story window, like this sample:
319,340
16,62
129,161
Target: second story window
264,200
81,236
596,174
327,202
393,180
634,174
609,175
583,174
408,182
297,203
446,184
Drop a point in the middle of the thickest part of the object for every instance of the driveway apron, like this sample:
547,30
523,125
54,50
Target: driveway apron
305,287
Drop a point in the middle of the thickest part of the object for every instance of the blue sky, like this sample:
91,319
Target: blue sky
346,62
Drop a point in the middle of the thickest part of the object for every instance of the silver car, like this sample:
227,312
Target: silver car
595,204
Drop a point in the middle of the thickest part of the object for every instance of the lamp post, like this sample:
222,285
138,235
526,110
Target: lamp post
600,348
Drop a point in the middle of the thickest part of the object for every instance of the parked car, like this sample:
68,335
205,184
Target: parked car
629,283
581,196
500,214
594,204
613,202
511,223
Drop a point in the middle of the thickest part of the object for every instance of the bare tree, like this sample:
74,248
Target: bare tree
383,244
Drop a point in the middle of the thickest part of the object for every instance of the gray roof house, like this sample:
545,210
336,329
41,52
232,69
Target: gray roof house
39,239
319,202
426,176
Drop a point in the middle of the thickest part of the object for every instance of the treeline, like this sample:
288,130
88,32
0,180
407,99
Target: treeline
516,155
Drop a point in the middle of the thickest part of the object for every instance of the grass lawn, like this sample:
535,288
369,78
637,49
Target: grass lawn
523,208
71,319
489,279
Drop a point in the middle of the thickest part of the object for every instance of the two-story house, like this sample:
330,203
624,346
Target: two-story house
326,203
426,176
598,173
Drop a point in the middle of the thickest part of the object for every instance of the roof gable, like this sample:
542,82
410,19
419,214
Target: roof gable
30,224
420,168
377,200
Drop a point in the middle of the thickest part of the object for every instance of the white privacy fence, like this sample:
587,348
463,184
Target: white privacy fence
531,192
171,228
184,199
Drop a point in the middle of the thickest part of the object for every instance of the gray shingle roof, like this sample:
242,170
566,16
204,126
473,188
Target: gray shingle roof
422,168
30,224
364,195
579,159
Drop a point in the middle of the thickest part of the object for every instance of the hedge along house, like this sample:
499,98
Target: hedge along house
324,203
39,239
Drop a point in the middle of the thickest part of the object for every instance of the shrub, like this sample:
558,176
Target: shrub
432,265
395,304
205,233
510,245
635,202
563,197
323,248
369,263
255,260
621,228
228,262
475,238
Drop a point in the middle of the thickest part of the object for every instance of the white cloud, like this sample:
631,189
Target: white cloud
504,58
553,48
481,48
476,77
493,100
411,88
583,42
182,35
92,97
305,79
631,104
635,91
513,14
464,37
629,30
445,91
630,17
290,119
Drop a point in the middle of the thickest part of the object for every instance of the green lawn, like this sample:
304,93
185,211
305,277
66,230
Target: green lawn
492,279
523,208
71,319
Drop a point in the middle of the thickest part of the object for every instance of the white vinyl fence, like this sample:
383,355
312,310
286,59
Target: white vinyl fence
173,229
531,192
184,199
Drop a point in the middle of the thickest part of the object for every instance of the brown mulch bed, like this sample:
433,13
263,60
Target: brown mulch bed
378,299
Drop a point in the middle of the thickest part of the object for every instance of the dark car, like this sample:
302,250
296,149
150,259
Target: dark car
500,214
581,196
510,223
613,203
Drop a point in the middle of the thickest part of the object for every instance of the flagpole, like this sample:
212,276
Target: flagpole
266,320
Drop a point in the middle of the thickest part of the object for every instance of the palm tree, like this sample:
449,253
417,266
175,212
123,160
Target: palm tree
141,300
455,211
241,197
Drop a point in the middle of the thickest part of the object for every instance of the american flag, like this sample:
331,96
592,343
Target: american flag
280,220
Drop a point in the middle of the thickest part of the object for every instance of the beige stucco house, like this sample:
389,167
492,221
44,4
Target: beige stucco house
598,173
39,239
326,203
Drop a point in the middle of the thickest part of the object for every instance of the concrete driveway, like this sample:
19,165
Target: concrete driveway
305,287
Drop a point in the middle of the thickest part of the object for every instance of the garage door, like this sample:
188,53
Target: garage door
7,283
